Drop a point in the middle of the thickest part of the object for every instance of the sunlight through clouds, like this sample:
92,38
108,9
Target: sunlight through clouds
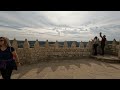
59,25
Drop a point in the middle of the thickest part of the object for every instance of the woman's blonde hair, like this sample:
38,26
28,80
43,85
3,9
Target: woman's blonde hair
6,41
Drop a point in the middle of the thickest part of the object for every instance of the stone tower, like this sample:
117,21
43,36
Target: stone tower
15,44
114,43
56,44
65,44
81,45
47,44
36,45
26,44
73,45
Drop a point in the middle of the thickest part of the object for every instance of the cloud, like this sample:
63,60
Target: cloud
60,25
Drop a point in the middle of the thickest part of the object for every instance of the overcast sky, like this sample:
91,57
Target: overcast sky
59,25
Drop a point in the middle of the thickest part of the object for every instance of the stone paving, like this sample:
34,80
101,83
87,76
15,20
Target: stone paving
69,69
107,58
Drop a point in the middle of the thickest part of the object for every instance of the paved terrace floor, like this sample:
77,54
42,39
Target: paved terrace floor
69,69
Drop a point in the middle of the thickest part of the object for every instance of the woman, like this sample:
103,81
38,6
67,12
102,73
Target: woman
95,45
7,57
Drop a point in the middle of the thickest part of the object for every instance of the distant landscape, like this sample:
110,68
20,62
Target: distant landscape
42,43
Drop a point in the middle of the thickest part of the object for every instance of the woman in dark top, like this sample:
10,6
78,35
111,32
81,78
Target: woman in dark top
95,45
8,59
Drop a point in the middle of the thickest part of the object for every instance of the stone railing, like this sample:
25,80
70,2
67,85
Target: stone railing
112,49
38,53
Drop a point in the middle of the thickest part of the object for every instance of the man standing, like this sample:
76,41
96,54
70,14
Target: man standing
102,42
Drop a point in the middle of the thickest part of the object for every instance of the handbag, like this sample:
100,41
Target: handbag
8,64
2,64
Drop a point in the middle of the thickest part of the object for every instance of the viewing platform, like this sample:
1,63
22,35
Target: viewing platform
107,58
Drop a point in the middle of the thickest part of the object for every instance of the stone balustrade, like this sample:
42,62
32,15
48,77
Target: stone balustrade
29,55
39,53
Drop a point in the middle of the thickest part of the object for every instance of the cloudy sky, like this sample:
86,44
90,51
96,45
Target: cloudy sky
59,25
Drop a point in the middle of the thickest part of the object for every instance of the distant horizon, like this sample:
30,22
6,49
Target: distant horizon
55,41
